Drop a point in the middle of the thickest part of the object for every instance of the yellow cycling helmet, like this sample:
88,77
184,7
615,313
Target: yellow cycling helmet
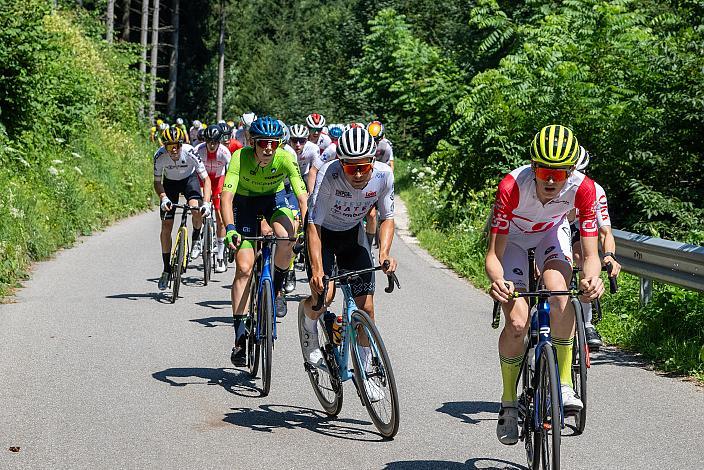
376,129
555,146
173,135
203,125
159,122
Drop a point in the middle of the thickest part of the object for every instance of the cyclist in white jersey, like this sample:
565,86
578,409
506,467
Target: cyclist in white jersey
606,241
344,191
530,211
384,154
316,123
216,157
242,132
330,153
176,172
305,150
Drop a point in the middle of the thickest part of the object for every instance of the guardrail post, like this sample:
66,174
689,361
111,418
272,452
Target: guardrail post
646,290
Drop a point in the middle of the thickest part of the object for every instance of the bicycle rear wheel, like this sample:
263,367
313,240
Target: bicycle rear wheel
207,250
253,345
326,382
266,335
546,445
580,364
374,379
176,265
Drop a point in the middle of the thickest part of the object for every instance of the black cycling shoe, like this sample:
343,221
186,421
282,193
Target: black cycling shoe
238,357
593,338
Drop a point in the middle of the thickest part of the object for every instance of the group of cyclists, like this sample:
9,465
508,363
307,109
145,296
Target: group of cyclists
335,184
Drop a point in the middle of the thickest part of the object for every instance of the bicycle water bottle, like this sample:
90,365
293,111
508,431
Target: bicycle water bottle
337,327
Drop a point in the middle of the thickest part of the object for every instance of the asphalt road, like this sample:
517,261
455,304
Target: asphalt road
97,370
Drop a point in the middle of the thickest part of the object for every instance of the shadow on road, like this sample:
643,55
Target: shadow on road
471,464
212,322
617,357
160,297
464,409
215,304
234,381
267,418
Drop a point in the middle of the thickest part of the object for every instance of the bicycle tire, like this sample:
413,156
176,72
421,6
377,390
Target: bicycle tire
207,252
526,407
176,267
381,368
326,383
253,345
266,336
546,449
580,365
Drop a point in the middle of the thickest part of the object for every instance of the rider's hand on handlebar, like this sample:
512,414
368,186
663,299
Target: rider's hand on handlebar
232,238
205,209
615,266
316,283
166,204
592,288
501,290
392,264
266,229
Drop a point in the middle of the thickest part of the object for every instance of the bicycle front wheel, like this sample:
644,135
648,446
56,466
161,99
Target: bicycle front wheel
253,345
373,374
580,364
546,450
266,335
207,250
176,264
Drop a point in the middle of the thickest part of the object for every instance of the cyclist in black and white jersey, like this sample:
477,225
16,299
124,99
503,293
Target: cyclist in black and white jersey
344,191
176,171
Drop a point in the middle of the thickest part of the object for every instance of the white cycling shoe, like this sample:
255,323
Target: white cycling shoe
309,340
507,425
220,266
570,402
196,250
374,391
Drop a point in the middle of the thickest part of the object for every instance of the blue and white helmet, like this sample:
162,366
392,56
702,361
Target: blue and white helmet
266,128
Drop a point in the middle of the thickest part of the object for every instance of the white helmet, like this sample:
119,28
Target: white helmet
179,121
247,119
583,159
287,133
315,120
356,143
197,124
163,126
299,131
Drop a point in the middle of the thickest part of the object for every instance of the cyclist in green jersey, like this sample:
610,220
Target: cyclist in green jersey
253,178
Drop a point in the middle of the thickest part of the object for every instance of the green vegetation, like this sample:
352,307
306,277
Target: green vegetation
71,156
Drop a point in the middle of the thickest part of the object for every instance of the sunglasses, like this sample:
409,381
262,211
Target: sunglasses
264,143
299,140
315,129
556,174
172,146
353,168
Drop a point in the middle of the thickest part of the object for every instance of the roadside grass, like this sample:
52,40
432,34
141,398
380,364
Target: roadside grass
669,331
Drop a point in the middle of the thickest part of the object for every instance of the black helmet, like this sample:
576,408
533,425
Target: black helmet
213,132
225,131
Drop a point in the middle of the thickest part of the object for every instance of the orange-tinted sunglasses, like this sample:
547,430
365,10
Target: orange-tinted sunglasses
556,174
352,168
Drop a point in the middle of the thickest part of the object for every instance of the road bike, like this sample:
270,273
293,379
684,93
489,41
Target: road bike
356,329
209,251
180,252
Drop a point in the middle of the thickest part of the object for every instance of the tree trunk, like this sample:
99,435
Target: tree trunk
143,42
155,59
173,63
126,7
221,65
110,21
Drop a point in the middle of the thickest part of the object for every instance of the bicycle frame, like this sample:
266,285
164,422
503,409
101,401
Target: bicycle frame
182,232
264,257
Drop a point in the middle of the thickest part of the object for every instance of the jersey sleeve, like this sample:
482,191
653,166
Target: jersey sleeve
602,207
294,175
320,200
198,164
507,199
386,199
585,202
158,167
232,178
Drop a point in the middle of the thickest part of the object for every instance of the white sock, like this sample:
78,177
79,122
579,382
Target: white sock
310,324
365,356
587,309
221,248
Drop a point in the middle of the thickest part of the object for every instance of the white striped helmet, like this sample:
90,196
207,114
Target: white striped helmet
356,143
583,161
287,132
315,120
299,131
247,119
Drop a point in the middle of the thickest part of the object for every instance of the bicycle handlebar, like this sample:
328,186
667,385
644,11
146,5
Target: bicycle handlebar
393,282
613,284
543,294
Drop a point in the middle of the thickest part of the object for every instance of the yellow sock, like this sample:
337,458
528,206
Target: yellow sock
563,348
510,368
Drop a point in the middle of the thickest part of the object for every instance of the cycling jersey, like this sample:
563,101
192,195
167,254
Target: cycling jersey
330,153
215,162
336,205
234,145
290,150
384,151
309,152
241,136
517,210
323,141
246,177
602,207
187,164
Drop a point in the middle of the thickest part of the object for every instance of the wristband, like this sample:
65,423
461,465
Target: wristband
229,227
611,254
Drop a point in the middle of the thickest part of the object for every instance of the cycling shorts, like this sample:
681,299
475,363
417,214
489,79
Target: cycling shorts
216,183
287,198
348,250
248,209
189,187
555,244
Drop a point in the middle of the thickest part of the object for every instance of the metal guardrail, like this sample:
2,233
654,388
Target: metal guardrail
651,258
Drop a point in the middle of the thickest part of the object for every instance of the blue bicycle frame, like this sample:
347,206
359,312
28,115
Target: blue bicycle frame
266,257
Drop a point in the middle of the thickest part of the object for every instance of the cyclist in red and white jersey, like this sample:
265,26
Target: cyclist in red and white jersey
532,203
305,150
228,141
316,123
216,157
329,154
606,242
